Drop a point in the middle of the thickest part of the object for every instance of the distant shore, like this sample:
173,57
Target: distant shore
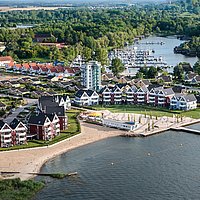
7,9
31,160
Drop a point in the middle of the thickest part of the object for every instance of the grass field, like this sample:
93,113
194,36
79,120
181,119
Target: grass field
149,110
73,129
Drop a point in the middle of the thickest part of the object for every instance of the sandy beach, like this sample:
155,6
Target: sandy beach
31,160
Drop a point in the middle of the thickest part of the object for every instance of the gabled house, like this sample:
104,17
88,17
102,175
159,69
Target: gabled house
107,76
124,79
164,80
105,95
17,67
190,76
141,83
5,135
86,97
183,102
19,132
43,70
196,80
5,60
34,69
25,68
52,71
141,95
60,112
63,100
43,126
163,97
116,95
130,95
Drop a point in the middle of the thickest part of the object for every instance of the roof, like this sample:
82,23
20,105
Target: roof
168,91
6,58
190,97
15,123
58,110
79,93
38,119
191,75
166,79
1,124
178,89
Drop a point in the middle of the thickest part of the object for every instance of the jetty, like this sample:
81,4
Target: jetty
188,130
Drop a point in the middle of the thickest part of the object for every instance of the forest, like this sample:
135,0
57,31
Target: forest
93,32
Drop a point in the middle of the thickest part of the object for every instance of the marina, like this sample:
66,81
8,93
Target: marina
154,50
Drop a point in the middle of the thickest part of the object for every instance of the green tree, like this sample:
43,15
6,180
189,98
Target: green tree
117,66
196,67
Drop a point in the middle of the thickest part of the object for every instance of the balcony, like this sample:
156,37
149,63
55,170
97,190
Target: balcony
183,105
107,100
141,100
22,139
7,140
57,125
152,97
19,134
151,100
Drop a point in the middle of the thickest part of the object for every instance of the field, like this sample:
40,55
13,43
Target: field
148,110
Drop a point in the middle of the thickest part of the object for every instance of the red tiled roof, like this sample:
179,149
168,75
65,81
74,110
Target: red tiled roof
26,65
32,64
6,58
53,69
44,69
35,67
11,64
18,66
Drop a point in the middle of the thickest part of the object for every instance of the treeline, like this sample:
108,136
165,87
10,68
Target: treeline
191,48
90,33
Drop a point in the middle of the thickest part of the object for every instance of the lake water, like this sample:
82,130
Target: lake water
160,167
166,50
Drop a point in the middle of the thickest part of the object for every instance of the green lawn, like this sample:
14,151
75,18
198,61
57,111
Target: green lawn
149,110
73,129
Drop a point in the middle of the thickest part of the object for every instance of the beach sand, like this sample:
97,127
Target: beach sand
31,160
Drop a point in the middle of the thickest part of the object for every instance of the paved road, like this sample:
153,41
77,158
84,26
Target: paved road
14,114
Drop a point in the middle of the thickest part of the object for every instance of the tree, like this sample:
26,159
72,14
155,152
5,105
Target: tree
196,67
117,66
139,75
152,72
178,72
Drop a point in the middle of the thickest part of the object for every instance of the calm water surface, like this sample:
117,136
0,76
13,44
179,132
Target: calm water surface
166,51
161,167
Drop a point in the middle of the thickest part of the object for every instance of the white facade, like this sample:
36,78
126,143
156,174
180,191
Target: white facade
87,100
129,126
183,102
91,75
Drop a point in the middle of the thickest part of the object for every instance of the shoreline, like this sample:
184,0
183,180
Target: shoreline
20,163
27,161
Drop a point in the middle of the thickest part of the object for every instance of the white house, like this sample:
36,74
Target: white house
5,60
86,98
183,102
63,100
